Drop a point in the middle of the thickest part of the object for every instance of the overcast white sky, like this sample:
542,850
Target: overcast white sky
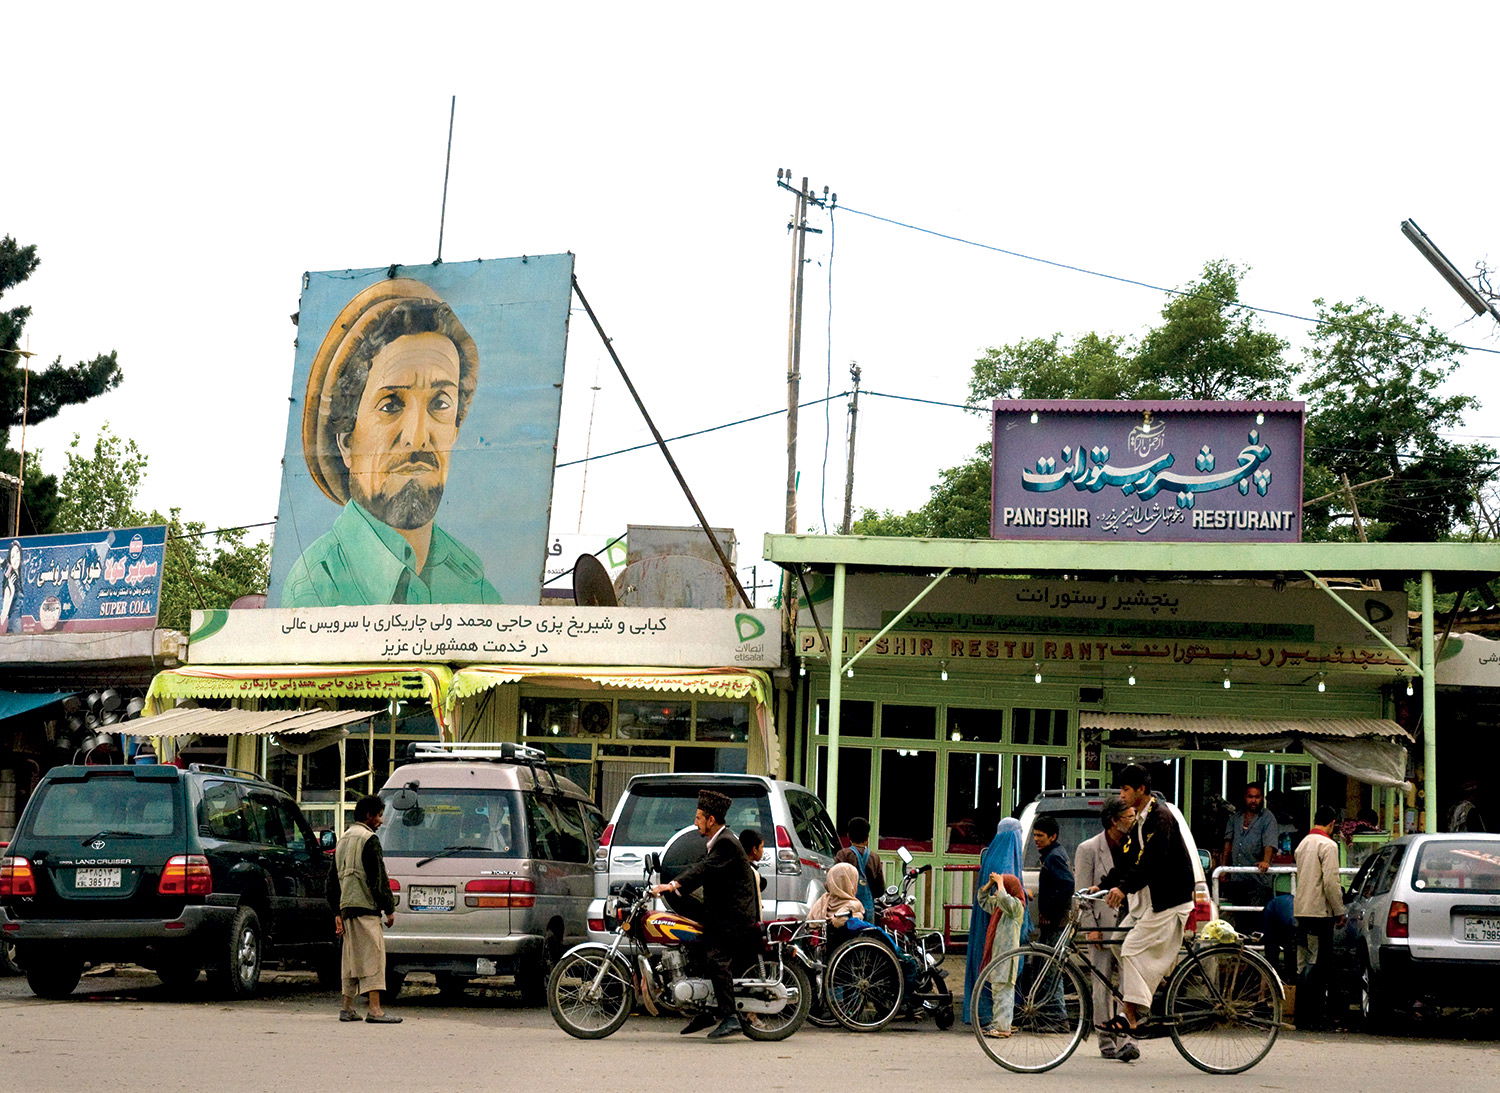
180,167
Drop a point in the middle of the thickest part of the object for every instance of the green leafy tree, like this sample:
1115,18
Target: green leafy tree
206,569
100,485
1093,366
203,569
45,391
1375,381
958,508
1208,346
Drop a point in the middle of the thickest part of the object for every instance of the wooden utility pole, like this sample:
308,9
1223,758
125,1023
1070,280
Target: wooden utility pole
799,231
853,429
1359,525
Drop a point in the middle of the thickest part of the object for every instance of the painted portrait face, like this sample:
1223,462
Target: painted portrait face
404,431
13,556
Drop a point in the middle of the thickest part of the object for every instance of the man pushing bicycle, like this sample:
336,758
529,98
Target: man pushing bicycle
1155,864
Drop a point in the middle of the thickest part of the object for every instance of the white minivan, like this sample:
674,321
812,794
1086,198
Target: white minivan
657,809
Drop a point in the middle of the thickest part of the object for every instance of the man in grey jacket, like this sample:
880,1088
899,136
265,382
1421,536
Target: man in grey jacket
1094,860
1319,906
360,895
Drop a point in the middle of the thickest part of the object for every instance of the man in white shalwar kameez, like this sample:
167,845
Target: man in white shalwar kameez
1157,867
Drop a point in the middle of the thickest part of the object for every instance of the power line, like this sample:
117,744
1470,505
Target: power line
701,432
1146,284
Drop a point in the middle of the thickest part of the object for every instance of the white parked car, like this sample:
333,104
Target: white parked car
1424,922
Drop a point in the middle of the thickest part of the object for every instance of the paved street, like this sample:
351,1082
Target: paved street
123,1032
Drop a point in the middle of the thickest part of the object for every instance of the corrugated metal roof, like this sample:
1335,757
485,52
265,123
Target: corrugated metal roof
1243,726
181,722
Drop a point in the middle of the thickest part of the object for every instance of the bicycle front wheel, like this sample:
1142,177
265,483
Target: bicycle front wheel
1030,1009
1224,1009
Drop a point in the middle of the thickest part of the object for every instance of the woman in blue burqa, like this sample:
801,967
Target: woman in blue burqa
1003,855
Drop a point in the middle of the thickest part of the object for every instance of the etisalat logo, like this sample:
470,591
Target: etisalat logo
747,628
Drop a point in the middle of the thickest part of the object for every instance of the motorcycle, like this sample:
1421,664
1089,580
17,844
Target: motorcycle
594,987
889,968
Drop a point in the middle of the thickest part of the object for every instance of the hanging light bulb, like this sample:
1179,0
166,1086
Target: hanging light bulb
802,669
1408,687
848,673
1033,417
1322,684
1037,676
1130,679
1227,684
944,672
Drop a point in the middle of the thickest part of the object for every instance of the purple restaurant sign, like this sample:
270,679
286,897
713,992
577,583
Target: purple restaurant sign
1170,471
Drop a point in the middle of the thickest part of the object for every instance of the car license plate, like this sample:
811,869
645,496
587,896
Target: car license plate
1482,927
96,878
423,897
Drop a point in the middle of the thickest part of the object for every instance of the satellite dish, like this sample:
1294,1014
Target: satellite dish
591,584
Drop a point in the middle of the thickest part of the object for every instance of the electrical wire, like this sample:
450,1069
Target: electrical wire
1148,285
827,381
702,432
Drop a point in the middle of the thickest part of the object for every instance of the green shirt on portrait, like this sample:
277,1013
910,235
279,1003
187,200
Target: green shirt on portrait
361,561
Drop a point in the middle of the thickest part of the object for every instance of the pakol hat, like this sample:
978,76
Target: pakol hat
359,316
713,803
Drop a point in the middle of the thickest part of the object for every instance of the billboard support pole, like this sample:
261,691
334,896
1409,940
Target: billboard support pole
662,444
447,163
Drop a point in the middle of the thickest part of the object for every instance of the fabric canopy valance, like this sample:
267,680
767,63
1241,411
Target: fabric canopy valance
358,681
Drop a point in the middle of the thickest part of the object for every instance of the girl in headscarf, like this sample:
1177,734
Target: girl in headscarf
1002,856
1005,899
837,905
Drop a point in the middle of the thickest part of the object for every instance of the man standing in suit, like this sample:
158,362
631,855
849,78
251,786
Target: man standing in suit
1096,859
730,904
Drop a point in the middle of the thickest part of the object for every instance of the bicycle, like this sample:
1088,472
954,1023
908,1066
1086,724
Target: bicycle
1221,1003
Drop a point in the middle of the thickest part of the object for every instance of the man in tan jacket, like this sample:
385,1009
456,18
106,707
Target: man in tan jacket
1319,906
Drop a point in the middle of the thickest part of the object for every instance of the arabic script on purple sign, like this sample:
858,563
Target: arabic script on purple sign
1179,471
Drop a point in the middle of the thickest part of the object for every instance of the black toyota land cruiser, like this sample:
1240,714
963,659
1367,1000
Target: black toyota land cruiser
179,870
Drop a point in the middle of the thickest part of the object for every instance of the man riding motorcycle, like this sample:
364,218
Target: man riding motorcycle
728,911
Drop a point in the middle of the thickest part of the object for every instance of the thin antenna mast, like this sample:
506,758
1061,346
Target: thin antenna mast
447,163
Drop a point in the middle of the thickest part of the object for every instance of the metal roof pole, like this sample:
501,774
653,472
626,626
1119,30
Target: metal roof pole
835,690
1429,709
1336,598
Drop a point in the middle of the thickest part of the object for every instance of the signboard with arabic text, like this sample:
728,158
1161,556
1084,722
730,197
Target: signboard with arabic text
89,580
1168,471
489,634
1081,654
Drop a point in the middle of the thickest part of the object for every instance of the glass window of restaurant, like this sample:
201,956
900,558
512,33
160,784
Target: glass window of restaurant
327,780
937,778
586,736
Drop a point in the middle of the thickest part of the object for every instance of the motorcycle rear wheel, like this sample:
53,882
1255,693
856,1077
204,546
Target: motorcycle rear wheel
579,1006
778,1026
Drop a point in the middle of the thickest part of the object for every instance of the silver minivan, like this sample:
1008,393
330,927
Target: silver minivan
657,810
490,855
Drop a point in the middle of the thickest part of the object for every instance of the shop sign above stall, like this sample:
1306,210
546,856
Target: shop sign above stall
1029,649
85,581
666,637
1169,471
1174,610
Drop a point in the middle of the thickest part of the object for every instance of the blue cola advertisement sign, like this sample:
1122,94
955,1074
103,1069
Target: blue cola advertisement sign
89,580
422,434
